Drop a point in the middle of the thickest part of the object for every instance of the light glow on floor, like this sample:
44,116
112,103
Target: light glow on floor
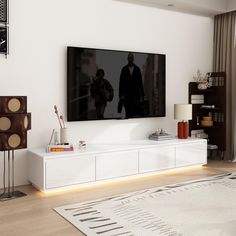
124,180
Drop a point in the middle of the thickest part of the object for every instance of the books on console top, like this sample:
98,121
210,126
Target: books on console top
160,137
60,148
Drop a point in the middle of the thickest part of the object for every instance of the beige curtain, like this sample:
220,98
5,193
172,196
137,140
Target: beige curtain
225,60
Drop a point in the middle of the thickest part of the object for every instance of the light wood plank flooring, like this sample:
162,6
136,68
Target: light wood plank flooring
33,215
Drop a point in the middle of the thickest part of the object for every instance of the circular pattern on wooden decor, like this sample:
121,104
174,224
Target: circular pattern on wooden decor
14,140
5,123
26,122
14,105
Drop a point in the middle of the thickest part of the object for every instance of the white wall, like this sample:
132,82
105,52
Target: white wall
231,6
36,66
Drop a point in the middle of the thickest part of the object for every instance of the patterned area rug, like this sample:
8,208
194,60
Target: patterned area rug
205,207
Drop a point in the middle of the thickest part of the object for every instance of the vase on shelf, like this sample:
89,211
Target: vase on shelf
202,86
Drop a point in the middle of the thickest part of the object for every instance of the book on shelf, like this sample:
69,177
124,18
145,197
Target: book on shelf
197,99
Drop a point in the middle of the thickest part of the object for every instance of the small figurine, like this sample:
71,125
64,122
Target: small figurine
157,132
82,145
162,131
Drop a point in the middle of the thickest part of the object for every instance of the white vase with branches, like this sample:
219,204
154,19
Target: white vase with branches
63,129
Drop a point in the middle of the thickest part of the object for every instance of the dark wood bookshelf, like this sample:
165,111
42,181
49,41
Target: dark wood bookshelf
215,95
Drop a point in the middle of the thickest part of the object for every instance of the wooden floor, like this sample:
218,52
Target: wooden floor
33,215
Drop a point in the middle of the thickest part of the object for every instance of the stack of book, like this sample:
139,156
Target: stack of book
197,99
60,148
160,137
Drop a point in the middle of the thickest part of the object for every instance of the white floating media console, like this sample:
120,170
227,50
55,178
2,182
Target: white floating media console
50,171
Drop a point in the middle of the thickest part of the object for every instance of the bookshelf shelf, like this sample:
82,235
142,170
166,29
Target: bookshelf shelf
203,91
210,109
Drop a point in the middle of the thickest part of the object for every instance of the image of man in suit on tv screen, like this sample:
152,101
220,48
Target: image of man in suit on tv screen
131,92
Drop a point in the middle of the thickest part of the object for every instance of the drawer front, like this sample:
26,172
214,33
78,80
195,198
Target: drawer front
116,164
154,159
68,171
191,154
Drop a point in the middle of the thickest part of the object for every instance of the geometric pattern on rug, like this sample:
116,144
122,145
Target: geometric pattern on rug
205,207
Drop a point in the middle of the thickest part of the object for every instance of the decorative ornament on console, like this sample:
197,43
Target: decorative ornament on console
82,145
160,135
63,145
63,129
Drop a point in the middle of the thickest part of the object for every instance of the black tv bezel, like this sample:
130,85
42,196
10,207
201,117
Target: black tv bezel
68,71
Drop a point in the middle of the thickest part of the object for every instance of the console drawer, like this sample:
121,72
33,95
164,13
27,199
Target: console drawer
68,171
191,154
155,159
116,164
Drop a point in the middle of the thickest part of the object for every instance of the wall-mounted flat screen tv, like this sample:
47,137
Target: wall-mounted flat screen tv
109,84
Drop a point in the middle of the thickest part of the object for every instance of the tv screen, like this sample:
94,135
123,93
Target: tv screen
108,84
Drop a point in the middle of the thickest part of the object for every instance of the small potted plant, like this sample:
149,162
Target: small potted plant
201,80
